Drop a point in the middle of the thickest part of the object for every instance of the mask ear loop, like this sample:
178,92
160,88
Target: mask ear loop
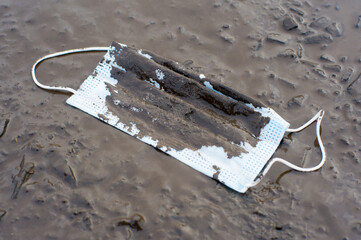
58,54
317,117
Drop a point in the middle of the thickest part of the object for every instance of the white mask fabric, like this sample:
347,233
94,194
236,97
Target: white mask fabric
210,127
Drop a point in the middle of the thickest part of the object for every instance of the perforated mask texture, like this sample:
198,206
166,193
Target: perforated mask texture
237,172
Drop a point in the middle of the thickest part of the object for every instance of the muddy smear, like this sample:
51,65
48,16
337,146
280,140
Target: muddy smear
118,176
215,175
174,107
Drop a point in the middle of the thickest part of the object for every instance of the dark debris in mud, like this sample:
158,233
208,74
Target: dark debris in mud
358,24
2,213
135,222
318,39
289,23
347,74
335,29
277,38
327,58
4,128
333,67
320,22
296,101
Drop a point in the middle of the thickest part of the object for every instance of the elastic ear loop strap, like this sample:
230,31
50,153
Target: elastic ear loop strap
58,54
317,117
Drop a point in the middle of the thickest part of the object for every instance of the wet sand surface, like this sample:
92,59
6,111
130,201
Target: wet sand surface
67,175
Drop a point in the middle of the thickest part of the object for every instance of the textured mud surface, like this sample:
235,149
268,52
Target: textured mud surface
67,175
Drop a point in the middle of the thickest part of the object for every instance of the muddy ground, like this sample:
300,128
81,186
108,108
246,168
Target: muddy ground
67,175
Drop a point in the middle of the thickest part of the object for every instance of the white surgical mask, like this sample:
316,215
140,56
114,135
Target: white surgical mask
211,128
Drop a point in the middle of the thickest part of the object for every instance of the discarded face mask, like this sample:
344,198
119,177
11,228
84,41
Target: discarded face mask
211,128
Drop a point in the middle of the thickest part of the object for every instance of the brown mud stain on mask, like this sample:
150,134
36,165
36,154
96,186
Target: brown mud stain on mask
171,105
218,171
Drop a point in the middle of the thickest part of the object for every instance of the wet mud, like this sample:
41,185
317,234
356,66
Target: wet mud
67,175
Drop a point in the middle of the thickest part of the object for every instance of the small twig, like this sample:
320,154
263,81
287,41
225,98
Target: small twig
72,173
